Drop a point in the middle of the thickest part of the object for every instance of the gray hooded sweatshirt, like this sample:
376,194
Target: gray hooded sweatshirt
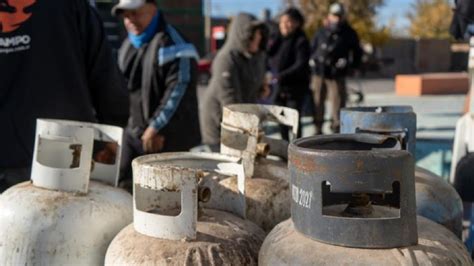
237,77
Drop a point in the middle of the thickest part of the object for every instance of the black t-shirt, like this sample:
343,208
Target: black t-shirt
54,63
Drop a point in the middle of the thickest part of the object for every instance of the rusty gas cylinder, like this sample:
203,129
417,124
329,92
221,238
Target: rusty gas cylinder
436,199
264,158
353,203
171,228
61,217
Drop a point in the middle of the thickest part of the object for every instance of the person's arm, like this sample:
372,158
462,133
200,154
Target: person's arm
177,63
273,45
356,51
314,43
313,48
177,67
177,81
300,65
229,90
106,84
467,102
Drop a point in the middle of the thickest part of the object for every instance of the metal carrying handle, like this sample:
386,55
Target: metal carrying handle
108,173
401,135
397,121
241,131
165,179
333,204
112,135
53,166
240,208
159,178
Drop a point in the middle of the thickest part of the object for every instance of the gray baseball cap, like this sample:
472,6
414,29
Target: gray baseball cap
127,5
337,9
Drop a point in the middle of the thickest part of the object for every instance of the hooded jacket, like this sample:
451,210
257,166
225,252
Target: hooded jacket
55,62
237,76
161,79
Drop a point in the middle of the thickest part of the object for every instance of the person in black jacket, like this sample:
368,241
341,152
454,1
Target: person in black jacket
160,69
288,57
335,50
55,62
462,28
462,24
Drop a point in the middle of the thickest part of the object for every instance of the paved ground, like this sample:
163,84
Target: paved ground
437,115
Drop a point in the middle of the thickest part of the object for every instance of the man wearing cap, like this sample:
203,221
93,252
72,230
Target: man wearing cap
335,50
160,71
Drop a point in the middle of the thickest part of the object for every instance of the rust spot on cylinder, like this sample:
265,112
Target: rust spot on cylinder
76,155
360,165
307,164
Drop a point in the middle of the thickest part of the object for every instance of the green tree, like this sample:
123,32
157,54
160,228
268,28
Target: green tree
430,19
361,14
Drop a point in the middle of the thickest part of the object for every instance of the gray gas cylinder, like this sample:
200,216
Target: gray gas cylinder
170,228
61,217
436,199
353,203
264,158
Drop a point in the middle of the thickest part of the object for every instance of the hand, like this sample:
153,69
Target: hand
107,155
274,81
266,91
152,142
341,63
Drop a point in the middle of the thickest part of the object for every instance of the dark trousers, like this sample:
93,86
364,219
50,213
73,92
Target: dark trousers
294,102
335,89
131,149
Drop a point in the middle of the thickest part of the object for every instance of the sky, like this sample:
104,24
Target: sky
397,10
393,9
